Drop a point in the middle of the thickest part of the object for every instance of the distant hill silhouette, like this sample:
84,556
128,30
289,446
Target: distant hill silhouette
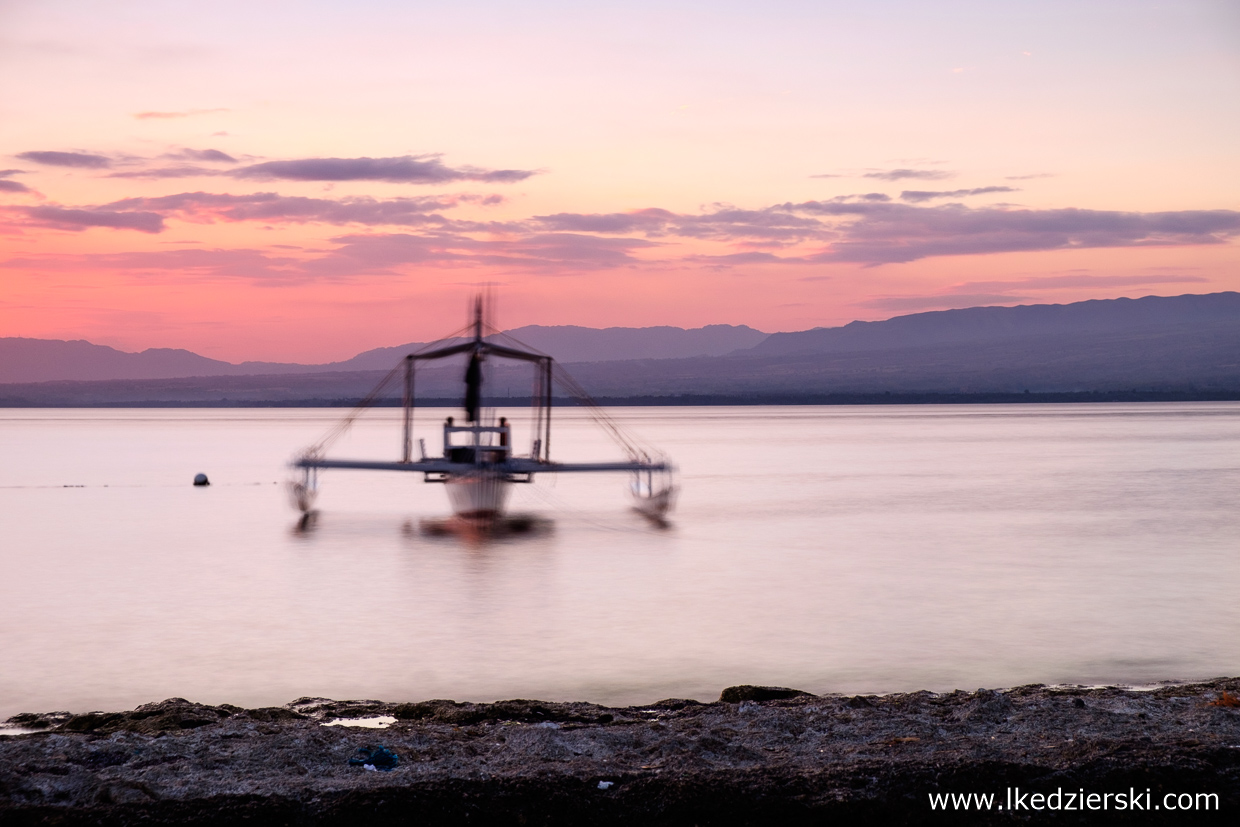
1006,324
1185,343
1174,358
39,360
570,343
48,360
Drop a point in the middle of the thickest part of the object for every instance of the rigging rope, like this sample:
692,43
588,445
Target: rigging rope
340,428
636,449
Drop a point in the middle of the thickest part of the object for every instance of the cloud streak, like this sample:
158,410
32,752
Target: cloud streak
61,218
547,253
357,255
183,169
723,223
174,171
405,169
897,233
905,174
77,160
918,196
204,155
271,207
866,228
428,169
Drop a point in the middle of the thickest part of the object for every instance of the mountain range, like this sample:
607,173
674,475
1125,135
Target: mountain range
989,325
49,360
1162,344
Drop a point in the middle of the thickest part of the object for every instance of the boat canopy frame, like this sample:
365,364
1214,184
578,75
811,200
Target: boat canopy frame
479,349
514,469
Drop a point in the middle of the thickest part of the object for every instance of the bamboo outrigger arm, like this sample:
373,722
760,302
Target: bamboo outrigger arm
516,465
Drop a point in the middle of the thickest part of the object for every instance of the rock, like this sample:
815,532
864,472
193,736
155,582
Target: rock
799,760
745,692
172,715
986,705
201,479
462,714
38,720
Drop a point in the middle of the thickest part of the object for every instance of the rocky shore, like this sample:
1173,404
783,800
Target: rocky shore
759,755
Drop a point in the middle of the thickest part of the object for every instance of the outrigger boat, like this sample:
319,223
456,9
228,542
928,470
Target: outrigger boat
478,464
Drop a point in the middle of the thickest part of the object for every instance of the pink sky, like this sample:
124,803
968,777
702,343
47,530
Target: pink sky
304,181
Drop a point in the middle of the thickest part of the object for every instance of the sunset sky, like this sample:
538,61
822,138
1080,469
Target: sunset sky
305,180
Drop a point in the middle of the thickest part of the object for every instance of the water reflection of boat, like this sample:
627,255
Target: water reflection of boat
478,464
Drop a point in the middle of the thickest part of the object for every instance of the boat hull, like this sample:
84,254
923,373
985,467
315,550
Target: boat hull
477,496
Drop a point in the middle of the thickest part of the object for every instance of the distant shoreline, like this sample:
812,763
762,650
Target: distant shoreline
686,400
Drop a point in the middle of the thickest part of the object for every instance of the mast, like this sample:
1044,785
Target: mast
407,453
546,446
473,373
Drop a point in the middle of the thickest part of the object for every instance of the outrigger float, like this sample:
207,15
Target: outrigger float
478,464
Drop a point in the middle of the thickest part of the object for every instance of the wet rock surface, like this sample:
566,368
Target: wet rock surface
762,755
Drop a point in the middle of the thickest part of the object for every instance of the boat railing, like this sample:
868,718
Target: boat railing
479,446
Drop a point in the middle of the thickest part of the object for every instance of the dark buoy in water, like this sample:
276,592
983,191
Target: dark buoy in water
201,479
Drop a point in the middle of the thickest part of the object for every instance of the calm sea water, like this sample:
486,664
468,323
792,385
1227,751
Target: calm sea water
827,548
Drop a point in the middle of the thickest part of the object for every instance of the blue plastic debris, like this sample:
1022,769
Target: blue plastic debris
375,758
